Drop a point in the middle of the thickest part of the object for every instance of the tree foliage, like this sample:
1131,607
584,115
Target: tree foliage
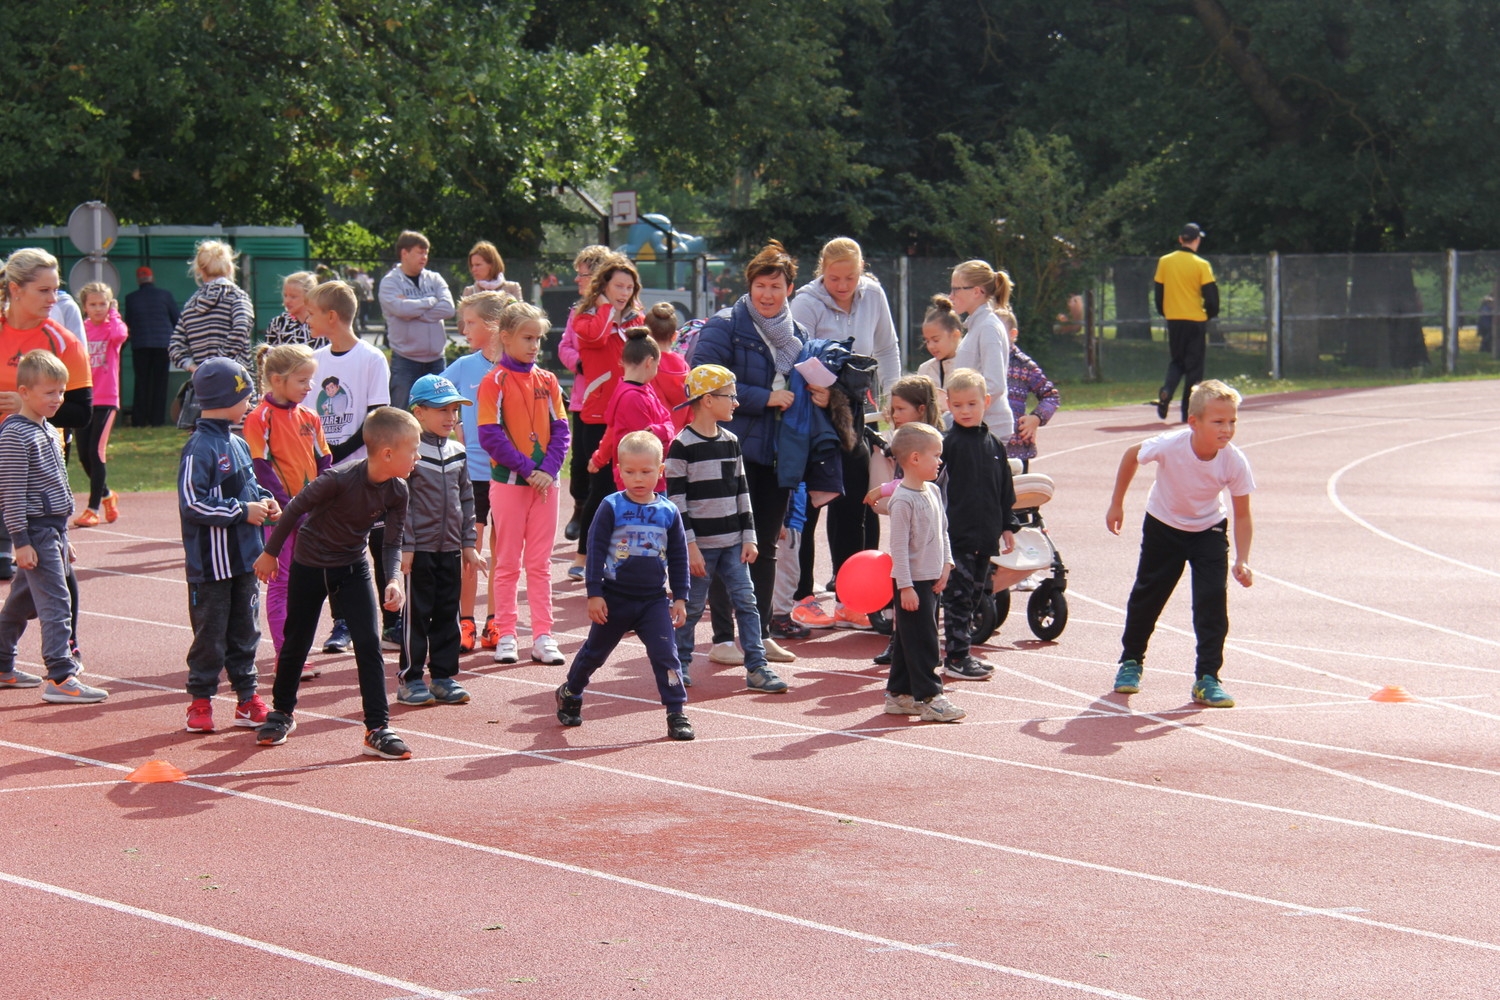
411,112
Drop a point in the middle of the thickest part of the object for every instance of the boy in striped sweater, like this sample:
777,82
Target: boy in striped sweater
36,504
706,480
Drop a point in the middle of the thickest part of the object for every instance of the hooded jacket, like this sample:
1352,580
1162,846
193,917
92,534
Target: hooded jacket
868,322
215,322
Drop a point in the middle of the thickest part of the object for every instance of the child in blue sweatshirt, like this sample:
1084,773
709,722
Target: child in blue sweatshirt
637,553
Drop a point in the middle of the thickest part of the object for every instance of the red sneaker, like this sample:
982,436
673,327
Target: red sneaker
490,637
466,635
200,716
809,611
250,713
111,507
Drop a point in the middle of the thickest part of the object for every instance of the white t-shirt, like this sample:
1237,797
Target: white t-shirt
347,385
1187,491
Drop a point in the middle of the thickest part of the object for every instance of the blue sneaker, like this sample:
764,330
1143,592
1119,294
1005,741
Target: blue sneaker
1206,691
338,640
448,691
414,693
1128,677
765,679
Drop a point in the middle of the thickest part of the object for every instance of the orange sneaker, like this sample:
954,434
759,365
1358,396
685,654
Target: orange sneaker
809,612
490,637
466,635
111,507
88,519
844,618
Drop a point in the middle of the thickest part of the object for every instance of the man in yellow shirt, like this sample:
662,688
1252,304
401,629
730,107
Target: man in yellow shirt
1188,297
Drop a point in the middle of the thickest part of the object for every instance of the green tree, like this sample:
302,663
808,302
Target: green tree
415,113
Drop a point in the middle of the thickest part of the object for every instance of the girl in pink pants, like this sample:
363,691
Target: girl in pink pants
523,427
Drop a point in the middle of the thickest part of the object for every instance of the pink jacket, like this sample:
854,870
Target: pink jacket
104,356
633,407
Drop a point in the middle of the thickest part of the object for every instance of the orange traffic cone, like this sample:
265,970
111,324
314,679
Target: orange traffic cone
1392,693
154,771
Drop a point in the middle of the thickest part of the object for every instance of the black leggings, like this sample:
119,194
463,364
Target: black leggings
91,441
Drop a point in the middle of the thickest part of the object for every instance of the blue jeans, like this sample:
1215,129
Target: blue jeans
405,371
724,565
42,593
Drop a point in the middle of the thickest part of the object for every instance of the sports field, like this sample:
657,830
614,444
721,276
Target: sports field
1061,840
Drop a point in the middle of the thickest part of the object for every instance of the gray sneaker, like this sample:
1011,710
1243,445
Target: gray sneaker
939,709
72,690
448,691
901,704
766,680
414,693
19,679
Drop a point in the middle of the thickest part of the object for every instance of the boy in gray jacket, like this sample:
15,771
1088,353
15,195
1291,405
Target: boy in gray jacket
439,538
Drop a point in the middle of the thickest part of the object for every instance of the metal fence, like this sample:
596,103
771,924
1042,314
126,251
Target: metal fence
1281,315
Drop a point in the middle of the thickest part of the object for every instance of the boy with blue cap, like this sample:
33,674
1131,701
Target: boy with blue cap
439,539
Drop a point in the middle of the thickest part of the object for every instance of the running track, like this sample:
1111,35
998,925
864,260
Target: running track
1062,841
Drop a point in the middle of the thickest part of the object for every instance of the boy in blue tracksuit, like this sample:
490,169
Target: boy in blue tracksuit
222,506
637,553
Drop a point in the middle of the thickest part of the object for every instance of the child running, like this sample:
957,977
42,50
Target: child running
1185,523
436,546
35,502
354,379
706,480
637,555
523,427
920,563
222,508
479,322
981,520
329,563
106,332
289,451
635,405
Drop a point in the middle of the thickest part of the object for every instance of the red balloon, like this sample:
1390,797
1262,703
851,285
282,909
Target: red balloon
864,583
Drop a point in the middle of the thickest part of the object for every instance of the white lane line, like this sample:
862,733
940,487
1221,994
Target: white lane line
1363,753
788,918
1408,661
327,964
1332,489
1205,733
572,869
1375,611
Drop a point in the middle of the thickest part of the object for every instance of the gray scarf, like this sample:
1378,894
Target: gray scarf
780,332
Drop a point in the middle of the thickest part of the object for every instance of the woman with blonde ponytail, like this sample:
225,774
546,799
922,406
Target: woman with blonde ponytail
983,295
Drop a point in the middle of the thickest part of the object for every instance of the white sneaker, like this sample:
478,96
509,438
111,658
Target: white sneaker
777,653
726,653
505,650
939,709
544,650
901,704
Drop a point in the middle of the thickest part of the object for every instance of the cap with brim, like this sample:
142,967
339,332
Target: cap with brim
434,390
703,380
1193,231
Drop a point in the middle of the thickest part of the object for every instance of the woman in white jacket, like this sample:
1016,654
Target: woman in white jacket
983,294
843,302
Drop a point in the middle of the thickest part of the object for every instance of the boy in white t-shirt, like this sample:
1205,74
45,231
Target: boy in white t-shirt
353,380
1185,523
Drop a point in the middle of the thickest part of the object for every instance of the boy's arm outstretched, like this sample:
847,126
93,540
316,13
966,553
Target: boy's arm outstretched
1114,518
1244,531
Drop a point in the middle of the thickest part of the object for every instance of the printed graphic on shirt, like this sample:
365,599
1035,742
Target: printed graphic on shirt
337,410
640,531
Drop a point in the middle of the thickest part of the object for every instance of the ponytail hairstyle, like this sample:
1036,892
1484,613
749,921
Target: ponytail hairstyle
283,359
488,306
772,259
23,267
996,284
661,320
514,315
213,259
607,269
639,347
838,250
919,391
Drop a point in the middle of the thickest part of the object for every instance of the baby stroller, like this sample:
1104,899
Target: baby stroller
1047,611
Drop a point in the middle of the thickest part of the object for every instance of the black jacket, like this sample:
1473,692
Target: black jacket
151,316
981,492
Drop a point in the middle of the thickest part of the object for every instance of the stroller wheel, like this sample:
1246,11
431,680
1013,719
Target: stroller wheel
989,614
1047,612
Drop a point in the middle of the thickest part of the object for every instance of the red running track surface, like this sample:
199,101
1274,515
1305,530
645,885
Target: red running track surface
1060,841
